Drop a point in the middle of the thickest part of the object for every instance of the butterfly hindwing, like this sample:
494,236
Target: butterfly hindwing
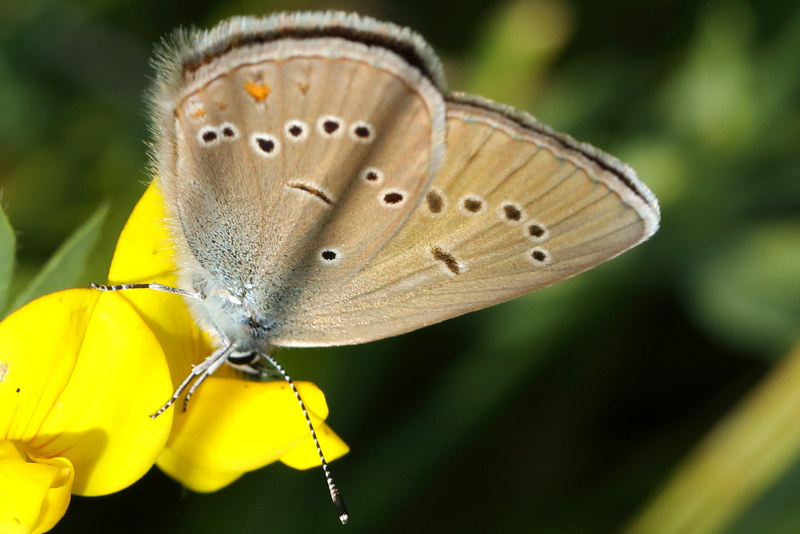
515,207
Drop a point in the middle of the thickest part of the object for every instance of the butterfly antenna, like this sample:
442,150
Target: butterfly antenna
336,497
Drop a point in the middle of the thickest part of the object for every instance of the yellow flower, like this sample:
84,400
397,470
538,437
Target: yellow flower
79,372
232,426
82,370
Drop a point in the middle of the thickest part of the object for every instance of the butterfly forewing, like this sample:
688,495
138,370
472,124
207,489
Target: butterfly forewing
515,207
295,162
322,184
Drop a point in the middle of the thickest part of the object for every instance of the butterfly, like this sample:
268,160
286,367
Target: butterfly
324,187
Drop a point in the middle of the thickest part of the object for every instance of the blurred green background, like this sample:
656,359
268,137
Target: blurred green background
656,393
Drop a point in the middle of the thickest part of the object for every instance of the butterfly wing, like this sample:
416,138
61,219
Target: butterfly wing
514,208
290,150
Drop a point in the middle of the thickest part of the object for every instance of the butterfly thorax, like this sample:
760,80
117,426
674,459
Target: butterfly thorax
232,314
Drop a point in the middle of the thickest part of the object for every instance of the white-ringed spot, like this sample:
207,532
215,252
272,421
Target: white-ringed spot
361,132
208,136
511,212
392,198
329,256
229,131
539,256
535,231
472,205
296,130
372,176
265,144
330,126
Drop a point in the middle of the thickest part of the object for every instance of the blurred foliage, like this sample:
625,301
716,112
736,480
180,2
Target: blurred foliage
585,407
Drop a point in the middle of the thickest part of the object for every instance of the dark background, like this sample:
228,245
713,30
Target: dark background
565,411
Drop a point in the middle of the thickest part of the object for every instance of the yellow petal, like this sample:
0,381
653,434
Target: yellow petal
305,456
213,444
234,426
33,494
145,254
82,374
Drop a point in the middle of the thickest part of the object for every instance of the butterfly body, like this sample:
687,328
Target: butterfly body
324,187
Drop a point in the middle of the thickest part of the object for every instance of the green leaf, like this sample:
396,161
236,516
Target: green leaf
66,266
8,248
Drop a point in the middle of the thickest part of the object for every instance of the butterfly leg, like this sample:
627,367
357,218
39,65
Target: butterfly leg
199,373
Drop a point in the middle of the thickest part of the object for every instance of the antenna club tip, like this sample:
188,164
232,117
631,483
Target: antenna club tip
343,515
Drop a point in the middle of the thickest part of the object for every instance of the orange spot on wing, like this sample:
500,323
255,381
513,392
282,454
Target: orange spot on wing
196,112
259,91
303,87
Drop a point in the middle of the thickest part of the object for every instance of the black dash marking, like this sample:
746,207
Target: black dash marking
538,255
329,255
449,261
209,136
311,191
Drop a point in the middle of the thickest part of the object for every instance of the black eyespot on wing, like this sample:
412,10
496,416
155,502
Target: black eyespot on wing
330,126
229,131
536,230
511,212
209,135
267,145
434,201
473,204
264,144
393,197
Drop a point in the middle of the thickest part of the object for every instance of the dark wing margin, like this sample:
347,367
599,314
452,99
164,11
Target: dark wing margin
648,206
